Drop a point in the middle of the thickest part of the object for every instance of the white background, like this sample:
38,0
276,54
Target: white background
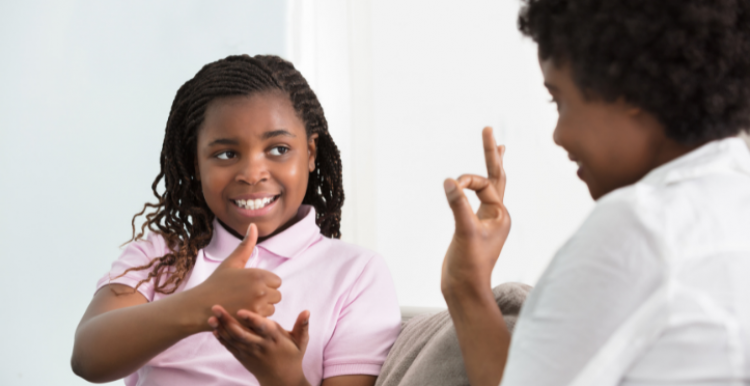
85,90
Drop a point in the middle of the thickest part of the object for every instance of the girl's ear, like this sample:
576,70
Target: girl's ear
312,151
197,170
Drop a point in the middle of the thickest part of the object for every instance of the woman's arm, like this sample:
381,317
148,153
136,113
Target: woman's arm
121,330
478,239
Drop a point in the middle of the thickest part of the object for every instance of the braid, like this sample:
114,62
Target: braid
181,214
325,191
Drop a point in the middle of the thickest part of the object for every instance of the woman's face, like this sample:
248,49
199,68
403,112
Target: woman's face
614,144
253,161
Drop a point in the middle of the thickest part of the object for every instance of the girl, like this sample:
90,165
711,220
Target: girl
652,289
246,152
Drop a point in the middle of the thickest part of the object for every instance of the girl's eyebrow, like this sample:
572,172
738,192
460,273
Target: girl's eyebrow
276,133
224,141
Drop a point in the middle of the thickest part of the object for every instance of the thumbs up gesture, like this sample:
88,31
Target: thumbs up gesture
479,237
235,287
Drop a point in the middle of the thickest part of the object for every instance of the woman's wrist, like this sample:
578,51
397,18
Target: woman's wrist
465,287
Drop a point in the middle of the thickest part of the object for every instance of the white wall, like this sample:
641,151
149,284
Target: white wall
85,90
423,78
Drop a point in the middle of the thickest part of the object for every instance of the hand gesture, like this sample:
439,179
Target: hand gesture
478,238
271,353
236,287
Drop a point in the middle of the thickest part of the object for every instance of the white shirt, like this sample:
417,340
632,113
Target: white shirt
653,289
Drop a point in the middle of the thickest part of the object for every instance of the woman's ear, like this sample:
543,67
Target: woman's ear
312,151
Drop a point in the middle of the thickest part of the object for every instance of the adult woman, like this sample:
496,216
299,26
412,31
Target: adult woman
652,288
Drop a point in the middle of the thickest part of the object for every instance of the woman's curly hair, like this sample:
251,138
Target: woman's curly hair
181,215
687,62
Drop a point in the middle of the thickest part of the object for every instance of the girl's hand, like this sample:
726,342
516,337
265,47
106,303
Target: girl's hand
478,238
271,353
236,287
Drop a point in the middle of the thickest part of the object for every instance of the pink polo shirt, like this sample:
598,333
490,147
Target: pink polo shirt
354,314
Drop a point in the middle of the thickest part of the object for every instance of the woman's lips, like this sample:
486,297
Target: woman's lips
579,163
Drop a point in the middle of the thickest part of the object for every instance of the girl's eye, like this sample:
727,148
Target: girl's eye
279,150
226,155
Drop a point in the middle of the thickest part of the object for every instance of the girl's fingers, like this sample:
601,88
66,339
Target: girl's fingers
273,296
300,333
231,329
237,353
255,323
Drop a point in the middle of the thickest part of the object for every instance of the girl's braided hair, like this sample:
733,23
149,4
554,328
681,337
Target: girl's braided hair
181,215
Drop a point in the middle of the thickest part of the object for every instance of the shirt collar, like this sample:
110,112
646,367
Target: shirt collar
725,155
287,244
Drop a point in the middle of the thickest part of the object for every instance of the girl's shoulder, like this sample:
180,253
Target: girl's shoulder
345,250
151,246
343,256
130,267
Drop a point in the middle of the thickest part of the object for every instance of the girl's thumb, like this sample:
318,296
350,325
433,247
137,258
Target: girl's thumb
239,257
300,331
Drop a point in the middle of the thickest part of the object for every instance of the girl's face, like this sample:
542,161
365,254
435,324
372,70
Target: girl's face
614,144
253,160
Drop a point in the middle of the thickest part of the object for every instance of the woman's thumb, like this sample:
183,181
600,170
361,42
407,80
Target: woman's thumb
462,212
300,331
239,257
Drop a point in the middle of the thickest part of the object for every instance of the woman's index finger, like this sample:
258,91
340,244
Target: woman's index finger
491,156
500,183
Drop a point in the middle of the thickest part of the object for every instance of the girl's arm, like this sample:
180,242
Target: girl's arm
478,239
121,330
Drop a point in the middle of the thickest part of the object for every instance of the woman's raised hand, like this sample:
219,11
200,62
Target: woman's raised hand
479,237
235,287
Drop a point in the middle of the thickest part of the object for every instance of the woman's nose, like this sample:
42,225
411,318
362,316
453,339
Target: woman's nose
556,135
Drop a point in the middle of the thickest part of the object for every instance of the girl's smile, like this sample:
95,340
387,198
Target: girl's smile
256,205
253,161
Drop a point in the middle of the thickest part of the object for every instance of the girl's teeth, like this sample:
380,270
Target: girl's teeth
254,204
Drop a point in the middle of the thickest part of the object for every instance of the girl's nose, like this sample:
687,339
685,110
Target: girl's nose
253,171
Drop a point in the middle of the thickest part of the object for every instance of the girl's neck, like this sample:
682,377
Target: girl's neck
278,230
